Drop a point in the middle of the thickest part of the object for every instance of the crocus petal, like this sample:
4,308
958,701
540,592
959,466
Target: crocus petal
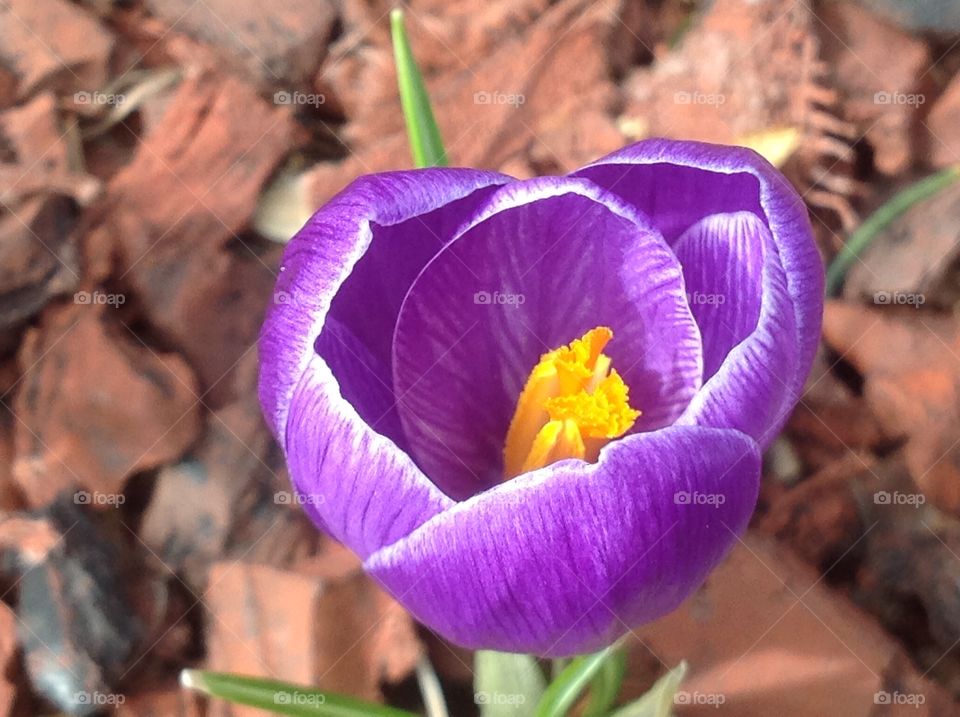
563,560
365,381
566,257
722,258
749,391
364,247
679,183
351,480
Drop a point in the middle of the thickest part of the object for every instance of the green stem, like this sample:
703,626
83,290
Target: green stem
431,689
567,687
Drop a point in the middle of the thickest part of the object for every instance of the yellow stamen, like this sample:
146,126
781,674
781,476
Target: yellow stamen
572,405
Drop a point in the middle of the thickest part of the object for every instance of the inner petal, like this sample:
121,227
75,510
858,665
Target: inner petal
675,196
722,258
357,335
542,263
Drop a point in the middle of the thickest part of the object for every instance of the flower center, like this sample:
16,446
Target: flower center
572,405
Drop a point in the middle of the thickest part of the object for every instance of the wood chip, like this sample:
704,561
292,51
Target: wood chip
95,405
335,633
766,636
908,361
53,44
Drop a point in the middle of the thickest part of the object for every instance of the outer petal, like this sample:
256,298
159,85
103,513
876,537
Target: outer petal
565,559
568,257
352,481
679,183
396,220
722,258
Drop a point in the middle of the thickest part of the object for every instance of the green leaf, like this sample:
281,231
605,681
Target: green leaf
562,694
426,145
658,702
506,684
880,219
605,687
282,698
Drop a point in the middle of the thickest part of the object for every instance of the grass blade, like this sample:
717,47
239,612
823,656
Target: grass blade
880,219
426,145
281,697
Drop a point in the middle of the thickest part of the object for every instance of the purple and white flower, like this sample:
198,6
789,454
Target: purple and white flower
416,307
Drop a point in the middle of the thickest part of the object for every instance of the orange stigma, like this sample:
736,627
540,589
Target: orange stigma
572,405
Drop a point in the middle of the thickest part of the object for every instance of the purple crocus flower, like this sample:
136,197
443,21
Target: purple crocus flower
640,328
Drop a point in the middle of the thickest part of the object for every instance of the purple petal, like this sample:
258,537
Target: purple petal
354,482
679,183
750,392
365,381
364,248
567,257
563,560
722,258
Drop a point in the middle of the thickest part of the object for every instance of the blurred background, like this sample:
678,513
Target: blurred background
155,154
